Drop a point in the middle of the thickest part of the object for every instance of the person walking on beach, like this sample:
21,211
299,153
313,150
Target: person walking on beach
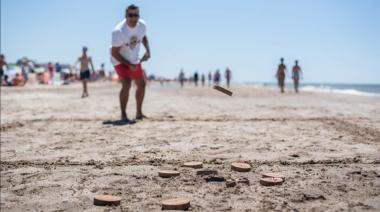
281,75
25,71
85,62
126,41
217,77
102,72
58,67
2,64
203,79
228,76
296,74
50,68
181,78
209,78
196,78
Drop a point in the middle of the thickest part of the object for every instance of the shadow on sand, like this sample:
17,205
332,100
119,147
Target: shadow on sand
119,122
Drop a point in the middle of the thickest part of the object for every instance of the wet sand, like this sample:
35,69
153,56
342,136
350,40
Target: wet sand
57,153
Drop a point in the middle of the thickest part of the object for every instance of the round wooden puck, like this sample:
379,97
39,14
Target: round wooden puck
176,204
102,200
271,181
168,173
241,167
193,164
272,175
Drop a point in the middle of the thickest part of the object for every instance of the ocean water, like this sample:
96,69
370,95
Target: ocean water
351,89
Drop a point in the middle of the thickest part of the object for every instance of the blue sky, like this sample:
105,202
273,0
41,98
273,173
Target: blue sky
334,40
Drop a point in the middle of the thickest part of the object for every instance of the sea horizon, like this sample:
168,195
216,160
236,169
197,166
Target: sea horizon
363,89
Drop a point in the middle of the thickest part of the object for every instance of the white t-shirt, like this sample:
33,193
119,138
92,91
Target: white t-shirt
129,39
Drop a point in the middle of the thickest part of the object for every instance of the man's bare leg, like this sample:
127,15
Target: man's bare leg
85,87
282,85
140,93
124,95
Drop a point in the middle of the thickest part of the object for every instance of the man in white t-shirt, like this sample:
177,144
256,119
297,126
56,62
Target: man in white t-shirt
126,41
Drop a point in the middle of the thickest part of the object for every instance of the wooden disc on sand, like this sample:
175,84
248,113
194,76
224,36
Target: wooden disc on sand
271,181
193,164
176,204
102,200
168,173
241,167
272,175
223,90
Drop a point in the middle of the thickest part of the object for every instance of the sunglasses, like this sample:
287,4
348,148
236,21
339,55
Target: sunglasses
133,15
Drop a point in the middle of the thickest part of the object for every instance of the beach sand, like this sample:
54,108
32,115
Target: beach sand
57,154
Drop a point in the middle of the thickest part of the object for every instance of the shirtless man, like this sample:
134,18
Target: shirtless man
85,61
126,41
296,74
281,75
2,64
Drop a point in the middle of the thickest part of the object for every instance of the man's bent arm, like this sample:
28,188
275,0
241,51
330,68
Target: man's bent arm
115,51
146,44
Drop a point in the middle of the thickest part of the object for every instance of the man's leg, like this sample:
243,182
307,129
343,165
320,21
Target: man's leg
282,84
124,94
140,93
83,88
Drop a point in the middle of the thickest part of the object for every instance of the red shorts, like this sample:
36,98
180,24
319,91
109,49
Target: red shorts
123,71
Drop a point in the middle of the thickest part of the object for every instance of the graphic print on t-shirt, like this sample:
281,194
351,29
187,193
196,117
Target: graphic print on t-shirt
133,42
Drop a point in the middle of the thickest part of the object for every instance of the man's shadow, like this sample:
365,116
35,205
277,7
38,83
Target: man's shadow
119,122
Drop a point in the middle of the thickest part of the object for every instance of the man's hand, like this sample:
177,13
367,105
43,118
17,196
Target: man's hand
132,67
145,57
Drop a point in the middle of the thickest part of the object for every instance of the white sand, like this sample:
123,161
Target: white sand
56,153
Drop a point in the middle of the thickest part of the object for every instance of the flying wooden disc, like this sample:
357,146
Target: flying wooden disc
193,164
102,200
241,167
207,172
175,204
271,181
168,173
272,175
223,90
